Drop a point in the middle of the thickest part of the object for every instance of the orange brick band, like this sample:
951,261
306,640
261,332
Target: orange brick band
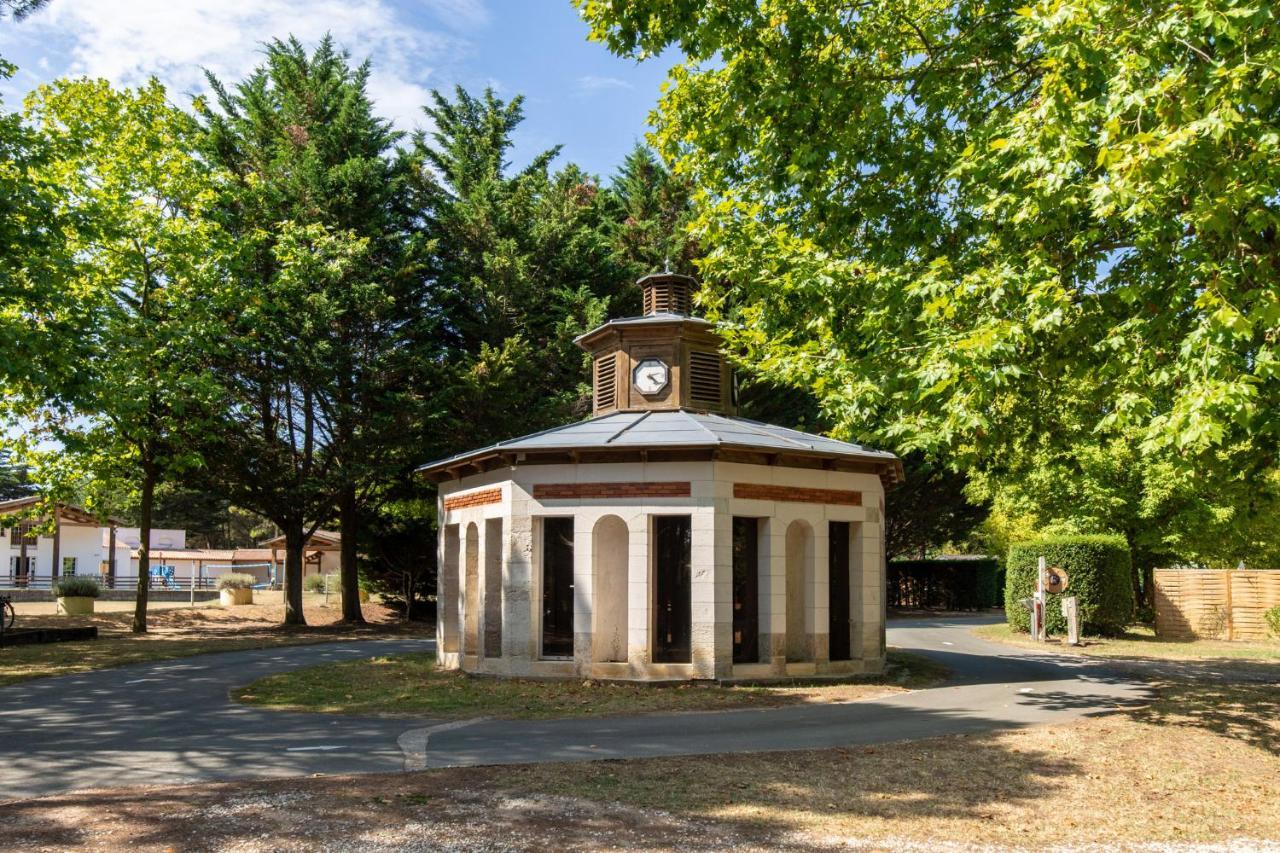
795,494
480,498
587,491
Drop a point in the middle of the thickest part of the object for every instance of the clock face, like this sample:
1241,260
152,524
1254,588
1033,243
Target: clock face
650,376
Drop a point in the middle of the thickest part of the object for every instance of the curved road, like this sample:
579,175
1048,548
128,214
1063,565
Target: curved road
171,722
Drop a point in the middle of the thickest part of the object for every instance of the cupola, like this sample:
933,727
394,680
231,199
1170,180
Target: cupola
666,359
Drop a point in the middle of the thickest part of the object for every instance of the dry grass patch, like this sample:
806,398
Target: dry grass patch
1141,642
1199,765
410,685
182,632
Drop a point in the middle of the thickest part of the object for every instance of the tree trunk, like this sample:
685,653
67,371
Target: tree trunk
349,524
293,542
144,548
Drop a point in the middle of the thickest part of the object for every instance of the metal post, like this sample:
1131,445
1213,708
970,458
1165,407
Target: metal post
1038,621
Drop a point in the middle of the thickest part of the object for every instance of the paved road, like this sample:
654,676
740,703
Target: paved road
171,722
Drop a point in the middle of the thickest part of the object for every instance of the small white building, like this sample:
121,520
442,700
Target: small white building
74,546
664,538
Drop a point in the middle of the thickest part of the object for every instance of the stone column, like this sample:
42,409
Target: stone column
583,603
817,599
639,618
773,596
703,589
872,614
518,639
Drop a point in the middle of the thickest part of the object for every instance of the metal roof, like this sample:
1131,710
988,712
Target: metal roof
673,429
660,319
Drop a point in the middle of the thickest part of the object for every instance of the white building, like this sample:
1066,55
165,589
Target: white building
161,539
74,546
664,538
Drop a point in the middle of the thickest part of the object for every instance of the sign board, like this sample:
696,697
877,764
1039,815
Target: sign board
1055,580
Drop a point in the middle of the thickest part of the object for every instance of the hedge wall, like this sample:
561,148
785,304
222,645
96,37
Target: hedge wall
1098,571
944,584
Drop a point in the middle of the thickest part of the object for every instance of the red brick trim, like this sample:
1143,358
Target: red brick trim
469,499
589,491
796,494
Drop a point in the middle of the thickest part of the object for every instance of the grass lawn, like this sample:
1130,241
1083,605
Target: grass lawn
409,684
1141,642
1201,764
179,632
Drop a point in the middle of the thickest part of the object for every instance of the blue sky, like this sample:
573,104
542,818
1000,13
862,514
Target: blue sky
577,93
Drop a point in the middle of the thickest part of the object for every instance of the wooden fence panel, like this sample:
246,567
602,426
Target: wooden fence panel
1227,605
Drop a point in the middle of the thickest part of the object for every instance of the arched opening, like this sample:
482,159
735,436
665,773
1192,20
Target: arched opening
799,581
609,547
471,592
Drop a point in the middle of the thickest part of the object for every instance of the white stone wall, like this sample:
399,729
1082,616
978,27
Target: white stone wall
711,506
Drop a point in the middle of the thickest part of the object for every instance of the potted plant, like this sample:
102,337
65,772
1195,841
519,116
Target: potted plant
236,589
76,595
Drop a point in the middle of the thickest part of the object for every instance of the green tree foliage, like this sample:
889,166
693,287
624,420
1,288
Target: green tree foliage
930,510
1098,570
652,221
19,9
524,262
144,258
15,479
327,309
1030,239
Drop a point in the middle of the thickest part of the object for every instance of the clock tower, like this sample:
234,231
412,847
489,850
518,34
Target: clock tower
665,360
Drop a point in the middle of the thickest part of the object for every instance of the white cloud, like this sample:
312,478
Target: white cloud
592,83
175,39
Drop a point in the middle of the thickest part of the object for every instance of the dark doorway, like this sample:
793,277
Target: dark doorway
557,587
746,584
673,593
838,584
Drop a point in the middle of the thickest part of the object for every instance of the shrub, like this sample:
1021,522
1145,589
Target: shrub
75,586
955,584
1099,574
236,580
1273,621
315,583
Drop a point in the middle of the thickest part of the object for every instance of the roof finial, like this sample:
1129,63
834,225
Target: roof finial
666,264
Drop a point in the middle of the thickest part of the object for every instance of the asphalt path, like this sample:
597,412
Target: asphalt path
171,722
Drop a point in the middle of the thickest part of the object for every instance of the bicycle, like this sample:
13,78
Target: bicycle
6,613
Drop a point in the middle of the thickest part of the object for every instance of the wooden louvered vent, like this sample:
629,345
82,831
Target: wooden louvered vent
667,297
606,382
704,378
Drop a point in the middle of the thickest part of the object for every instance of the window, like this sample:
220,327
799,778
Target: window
69,566
23,532
838,584
557,587
746,583
673,576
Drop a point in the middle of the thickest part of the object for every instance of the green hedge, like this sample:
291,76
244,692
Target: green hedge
1099,573
971,584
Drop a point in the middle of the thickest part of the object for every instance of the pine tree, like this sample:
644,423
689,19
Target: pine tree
326,302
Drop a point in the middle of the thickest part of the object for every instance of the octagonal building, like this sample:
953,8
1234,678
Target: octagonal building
664,538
